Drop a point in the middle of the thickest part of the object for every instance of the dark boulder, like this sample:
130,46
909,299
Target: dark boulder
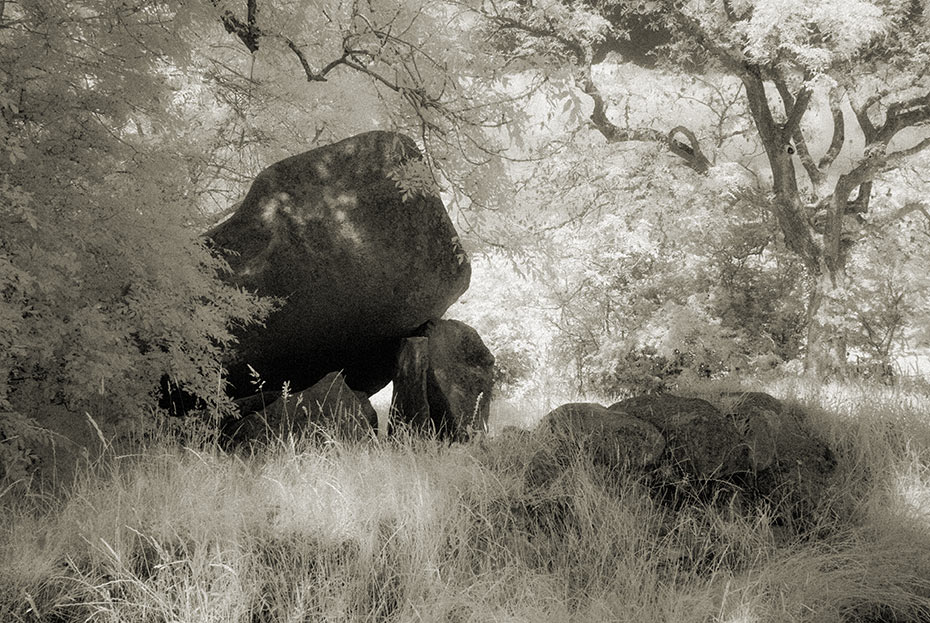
701,441
327,409
410,400
612,438
794,464
355,265
444,380
460,377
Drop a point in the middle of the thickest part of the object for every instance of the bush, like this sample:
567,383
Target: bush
642,371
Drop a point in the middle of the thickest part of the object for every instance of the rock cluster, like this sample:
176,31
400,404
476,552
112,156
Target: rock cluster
751,442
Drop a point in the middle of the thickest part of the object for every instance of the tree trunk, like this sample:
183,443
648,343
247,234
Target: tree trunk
826,353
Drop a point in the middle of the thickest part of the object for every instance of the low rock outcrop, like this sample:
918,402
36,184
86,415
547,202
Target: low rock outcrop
327,409
701,441
793,463
613,440
750,445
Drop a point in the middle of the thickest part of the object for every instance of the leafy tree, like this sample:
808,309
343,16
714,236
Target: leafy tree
889,292
836,94
105,286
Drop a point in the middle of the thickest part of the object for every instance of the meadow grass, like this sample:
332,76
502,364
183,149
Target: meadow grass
412,529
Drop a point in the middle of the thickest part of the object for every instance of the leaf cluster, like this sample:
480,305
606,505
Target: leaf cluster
105,286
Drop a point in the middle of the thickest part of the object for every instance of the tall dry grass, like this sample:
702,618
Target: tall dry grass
415,530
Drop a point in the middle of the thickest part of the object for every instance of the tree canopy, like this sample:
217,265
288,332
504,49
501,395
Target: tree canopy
834,95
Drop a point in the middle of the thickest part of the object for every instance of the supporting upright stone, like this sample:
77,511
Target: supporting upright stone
460,379
443,380
410,401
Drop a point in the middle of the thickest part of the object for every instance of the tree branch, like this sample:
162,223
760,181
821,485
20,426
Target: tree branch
877,161
692,27
248,32
860,205
839,132
900,115
509,23
691,153
865,123
794,111
320,76
909,207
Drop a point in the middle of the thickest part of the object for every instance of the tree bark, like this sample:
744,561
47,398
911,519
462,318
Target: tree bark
787,205
826,354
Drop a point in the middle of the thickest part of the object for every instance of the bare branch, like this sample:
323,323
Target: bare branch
877,161
252,13
248,31
860,205
909,207
303,62
690,152
900,115
796,111
839,131
868,128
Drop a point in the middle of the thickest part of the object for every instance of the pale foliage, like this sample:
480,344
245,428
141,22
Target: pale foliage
104,285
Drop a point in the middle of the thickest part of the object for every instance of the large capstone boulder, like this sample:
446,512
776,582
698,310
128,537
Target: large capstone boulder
701,441
355,265
328,409
444,380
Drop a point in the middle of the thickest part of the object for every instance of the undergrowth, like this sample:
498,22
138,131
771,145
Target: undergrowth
410,529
